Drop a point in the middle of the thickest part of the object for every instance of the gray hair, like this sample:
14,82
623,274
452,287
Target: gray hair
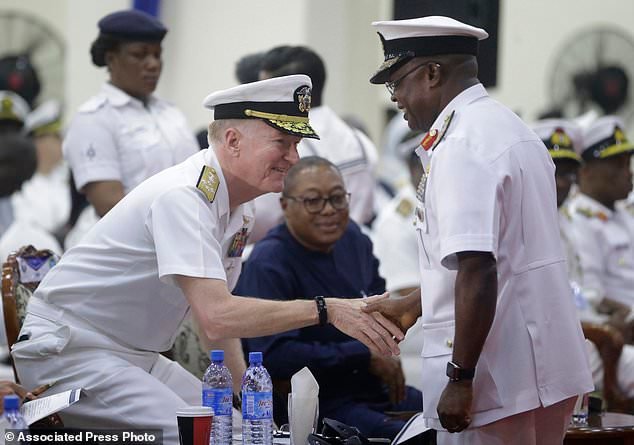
217,128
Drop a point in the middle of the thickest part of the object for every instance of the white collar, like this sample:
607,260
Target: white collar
583,201
117,97
461,100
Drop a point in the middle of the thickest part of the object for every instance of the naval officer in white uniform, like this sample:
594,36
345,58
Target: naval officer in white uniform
101,317
497,309
601,228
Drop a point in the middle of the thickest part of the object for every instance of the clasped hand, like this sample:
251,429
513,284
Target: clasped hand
375,331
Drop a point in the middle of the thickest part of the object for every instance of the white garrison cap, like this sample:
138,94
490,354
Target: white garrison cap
423,36
605,137
13,107
561,137
282,102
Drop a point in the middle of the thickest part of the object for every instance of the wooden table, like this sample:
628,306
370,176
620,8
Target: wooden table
603,429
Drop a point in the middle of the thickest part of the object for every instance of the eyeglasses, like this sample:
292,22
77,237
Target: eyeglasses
393,85
338,201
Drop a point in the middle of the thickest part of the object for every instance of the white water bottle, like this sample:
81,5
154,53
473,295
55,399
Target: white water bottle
257,403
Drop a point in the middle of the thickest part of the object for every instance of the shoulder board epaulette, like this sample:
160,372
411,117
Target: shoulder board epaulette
93,104
208,183
405,208
444,128
585,212
590,214
565,212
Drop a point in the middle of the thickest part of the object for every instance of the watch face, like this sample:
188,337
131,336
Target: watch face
456,373
452,371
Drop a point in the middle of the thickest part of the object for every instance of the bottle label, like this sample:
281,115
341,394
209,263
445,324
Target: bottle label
220,399
257,405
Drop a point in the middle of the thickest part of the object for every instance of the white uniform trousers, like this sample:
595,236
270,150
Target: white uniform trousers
122,387
541,426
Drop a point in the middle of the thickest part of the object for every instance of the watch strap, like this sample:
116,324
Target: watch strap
322,311
457,373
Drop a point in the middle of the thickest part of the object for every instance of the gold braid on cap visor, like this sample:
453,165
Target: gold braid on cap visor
564,154
616,149
295,124
276,117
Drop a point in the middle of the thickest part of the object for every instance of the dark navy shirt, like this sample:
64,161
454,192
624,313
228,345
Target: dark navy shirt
280,268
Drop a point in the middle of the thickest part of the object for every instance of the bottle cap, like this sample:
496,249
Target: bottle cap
255,358
217,355
11,402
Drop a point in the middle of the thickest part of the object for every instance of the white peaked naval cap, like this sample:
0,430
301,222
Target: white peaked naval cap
605,137
424,36
562,138
282,102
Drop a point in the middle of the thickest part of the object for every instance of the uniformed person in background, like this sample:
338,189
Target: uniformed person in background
125,134
101,317
13,113
601,229
392,234
564,142
395,246
497,309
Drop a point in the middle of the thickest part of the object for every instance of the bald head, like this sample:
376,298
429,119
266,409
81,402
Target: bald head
305,164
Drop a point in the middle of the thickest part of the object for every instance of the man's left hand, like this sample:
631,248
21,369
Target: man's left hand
454,407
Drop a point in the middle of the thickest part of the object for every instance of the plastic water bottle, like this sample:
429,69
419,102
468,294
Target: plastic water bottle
218,394
257,403
12,413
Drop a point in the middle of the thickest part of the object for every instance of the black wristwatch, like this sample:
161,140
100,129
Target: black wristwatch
322,311
457,373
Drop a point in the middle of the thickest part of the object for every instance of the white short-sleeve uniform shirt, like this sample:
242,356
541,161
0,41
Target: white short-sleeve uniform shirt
114,137
491,188
605,247
120,278
573,262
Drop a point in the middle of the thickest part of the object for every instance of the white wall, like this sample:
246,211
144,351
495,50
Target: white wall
207,37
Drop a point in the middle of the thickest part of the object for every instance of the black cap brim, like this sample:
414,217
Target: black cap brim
383,73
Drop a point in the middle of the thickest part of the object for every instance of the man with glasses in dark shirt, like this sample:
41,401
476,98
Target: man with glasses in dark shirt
320,251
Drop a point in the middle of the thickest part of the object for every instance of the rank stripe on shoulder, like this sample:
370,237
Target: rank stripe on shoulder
590,214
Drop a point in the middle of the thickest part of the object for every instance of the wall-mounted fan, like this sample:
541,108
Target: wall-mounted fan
27,42
594,70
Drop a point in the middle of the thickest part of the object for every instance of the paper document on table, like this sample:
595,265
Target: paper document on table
37,409
414,426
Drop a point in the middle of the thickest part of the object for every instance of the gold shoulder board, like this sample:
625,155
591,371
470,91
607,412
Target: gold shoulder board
405,207
208,183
